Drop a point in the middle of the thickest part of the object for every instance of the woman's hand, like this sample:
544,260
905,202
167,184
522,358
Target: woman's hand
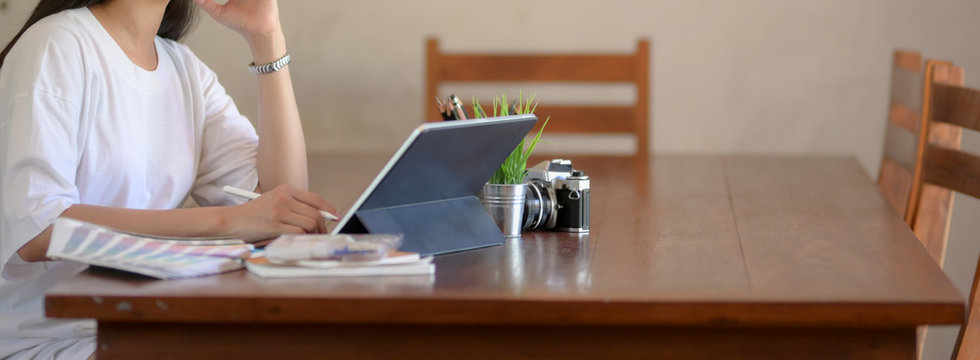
251,18
284,210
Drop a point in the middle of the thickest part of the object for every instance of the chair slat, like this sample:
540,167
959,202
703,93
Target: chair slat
537,68
909,60
587,119
904,116
556,68
956,105
952,169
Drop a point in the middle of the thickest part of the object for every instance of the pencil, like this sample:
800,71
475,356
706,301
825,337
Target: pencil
442,109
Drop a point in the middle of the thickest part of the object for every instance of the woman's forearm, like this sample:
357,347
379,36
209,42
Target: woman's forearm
283,210
189,222
282,148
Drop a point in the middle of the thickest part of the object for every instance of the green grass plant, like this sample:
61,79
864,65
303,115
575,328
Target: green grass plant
514,168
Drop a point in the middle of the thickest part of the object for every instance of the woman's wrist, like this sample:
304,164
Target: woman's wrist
219,220
267,48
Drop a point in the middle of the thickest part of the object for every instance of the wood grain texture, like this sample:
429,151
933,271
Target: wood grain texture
956,105
803,212
691,249
345,341
569,68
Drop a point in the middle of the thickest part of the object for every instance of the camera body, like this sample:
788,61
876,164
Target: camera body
557,197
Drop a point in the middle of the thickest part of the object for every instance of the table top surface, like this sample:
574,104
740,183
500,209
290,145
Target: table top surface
676,240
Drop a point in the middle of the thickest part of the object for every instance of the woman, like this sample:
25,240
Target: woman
105,118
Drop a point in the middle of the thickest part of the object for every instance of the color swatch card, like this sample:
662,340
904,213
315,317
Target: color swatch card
162,258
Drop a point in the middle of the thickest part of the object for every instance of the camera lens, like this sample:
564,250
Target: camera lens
539,205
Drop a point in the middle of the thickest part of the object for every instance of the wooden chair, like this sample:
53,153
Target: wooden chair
902,129
902,152
950,107
554,68
902,155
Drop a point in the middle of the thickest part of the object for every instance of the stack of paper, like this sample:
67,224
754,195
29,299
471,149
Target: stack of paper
162,258
308,255
396,263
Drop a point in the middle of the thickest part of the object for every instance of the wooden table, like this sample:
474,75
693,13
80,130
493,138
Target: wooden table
690,257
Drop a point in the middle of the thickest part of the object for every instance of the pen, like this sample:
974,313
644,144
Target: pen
252,196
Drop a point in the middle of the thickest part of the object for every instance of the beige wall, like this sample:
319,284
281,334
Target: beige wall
749,76
736,76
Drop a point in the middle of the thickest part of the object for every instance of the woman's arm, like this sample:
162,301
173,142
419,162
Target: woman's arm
282,148
284,209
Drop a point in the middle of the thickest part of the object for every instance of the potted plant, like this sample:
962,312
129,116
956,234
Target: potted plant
503,194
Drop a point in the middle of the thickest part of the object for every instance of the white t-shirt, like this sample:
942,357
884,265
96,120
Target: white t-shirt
81,124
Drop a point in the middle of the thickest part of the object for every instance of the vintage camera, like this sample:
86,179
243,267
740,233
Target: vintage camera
557,197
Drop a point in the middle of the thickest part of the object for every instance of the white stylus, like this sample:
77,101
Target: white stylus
252,196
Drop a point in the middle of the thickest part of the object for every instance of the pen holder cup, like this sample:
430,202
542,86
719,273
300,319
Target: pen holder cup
505,204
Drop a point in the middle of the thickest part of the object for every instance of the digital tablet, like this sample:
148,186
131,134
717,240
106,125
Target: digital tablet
427,190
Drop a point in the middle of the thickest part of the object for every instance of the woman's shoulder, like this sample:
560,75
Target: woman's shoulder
65,37
64,26
52,47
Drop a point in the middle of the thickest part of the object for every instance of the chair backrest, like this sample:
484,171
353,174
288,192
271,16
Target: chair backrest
904,143
930,206
950,107
632,68
902,129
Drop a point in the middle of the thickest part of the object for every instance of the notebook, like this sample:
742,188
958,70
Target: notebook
427,190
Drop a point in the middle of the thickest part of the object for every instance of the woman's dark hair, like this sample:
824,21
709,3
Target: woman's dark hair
177,19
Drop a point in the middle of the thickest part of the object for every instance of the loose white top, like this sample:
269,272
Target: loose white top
81,124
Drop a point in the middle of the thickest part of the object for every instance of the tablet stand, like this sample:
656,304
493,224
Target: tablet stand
463,225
